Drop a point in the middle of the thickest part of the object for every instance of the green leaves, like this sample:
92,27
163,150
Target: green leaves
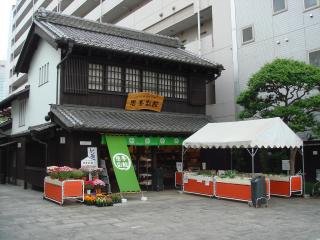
284,88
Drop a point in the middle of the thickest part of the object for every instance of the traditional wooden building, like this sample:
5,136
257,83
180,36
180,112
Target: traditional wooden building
79,75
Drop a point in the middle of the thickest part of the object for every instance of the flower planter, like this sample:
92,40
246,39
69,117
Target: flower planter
58,191
285,186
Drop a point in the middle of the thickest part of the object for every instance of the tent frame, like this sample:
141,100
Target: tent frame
253,152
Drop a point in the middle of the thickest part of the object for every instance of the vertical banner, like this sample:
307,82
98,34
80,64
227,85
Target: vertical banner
122,164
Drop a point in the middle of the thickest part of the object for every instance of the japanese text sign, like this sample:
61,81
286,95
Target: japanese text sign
144,101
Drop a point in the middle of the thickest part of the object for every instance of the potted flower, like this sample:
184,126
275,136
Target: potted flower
116,197
89,200
88,185
98,184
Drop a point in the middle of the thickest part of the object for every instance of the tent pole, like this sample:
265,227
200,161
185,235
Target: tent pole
252,160
303,174
182,153
252,153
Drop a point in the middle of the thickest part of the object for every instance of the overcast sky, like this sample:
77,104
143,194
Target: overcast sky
5,9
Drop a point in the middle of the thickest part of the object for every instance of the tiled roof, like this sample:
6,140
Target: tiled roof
121,121
42,127
107,36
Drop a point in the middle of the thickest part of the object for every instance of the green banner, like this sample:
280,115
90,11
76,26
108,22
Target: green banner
122,164
150,141
154,141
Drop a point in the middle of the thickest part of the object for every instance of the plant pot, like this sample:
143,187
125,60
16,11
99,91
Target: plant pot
98,190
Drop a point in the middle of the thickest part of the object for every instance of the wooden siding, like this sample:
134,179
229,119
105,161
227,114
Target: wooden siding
74,85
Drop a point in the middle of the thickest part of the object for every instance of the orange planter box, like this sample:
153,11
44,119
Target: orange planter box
235,191
178,179
286,187
193,186
58,191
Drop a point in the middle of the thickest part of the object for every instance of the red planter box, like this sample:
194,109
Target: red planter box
58,191
285,188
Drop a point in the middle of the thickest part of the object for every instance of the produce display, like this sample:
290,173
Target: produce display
222,184
201,183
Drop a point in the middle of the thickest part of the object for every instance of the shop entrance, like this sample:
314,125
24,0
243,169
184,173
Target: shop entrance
154,160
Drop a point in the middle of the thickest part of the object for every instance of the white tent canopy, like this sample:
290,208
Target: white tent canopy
262,133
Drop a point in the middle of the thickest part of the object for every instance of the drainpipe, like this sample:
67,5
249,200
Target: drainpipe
70,47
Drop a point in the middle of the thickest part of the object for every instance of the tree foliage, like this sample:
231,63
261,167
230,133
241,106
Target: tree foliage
287,89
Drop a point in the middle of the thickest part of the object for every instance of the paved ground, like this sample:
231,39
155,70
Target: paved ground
166,215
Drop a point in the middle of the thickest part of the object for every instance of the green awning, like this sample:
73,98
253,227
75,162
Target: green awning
151,141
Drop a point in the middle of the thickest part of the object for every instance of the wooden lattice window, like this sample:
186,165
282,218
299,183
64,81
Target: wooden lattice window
132,80
114,79
95,77
149,81
165,85
180,87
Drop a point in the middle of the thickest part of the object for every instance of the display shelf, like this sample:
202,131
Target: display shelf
145,175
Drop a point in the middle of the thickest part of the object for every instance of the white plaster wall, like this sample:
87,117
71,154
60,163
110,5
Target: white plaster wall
290,34
224,109
37,105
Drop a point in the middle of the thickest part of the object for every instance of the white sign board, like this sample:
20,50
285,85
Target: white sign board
88,162
204,166
93,154
285,165
85,143
179,166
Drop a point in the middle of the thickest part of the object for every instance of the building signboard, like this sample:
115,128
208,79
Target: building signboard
144,101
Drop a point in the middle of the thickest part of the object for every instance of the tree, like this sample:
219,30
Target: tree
287,89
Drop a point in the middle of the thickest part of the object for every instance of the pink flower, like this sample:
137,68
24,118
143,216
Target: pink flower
98,183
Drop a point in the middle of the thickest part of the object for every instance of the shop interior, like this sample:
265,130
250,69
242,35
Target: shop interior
155,166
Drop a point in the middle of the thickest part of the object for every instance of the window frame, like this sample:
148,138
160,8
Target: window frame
308,55
43,74
253,35
103,82
141,69
282,10
22,112
310,8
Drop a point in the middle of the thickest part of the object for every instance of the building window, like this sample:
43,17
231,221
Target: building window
309,4
165,85
149,82
132,80
44,74
95,77
314,58
247,35
279,6
180,87
22,112
114,79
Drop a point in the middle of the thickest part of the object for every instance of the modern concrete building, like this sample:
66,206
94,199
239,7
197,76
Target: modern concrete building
3,79
242,35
